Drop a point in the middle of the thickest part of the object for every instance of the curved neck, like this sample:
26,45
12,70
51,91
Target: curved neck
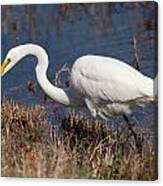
57,94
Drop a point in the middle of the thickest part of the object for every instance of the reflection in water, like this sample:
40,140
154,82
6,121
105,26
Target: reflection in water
68,31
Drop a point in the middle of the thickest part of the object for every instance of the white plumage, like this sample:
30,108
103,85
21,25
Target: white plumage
105,85
110,86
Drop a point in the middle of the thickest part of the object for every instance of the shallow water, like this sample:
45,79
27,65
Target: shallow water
67,34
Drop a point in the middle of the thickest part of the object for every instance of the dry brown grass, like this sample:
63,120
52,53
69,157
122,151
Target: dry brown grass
84,149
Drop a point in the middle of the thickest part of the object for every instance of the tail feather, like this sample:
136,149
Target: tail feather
150,90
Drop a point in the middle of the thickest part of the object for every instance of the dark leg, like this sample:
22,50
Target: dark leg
137,138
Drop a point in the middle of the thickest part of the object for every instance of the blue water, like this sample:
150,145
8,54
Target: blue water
71,35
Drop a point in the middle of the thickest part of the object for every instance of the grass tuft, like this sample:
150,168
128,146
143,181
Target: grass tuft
83,148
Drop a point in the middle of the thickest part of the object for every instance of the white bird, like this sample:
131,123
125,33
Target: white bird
106,86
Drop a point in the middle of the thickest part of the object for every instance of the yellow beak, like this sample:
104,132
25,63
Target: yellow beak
3,67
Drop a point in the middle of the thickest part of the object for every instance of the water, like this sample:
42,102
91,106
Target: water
70,31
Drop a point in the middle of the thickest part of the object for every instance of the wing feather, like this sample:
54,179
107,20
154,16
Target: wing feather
106,79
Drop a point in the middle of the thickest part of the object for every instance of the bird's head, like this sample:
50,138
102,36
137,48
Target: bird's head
13,56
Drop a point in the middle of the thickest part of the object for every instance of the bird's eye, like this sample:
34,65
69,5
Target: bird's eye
9,60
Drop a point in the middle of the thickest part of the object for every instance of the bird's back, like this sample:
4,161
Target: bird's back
105,80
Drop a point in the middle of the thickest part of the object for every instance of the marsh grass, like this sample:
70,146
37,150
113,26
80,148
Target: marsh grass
31,147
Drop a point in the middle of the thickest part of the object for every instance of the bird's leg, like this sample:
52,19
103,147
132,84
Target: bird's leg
138,141
93,121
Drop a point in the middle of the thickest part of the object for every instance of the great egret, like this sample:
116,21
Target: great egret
106,86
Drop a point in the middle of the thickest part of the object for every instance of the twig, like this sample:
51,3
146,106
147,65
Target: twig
64,68
136,57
